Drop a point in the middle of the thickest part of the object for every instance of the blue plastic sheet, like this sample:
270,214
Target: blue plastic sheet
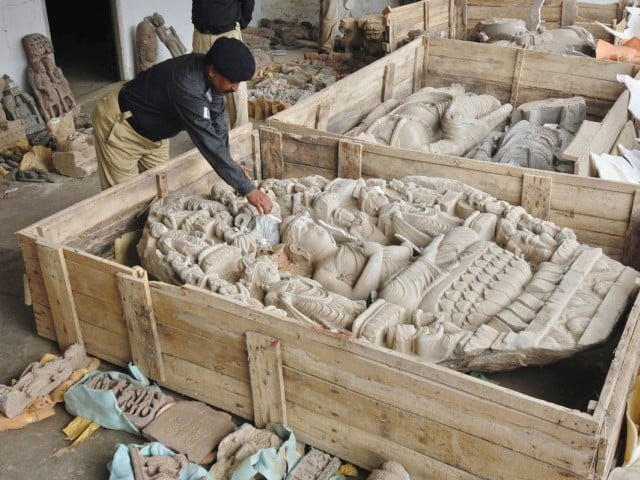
121,469
101,406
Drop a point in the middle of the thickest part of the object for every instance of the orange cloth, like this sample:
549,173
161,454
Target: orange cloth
629,51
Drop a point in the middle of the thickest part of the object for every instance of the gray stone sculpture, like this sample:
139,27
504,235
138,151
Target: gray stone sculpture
167,35
19,105
447,121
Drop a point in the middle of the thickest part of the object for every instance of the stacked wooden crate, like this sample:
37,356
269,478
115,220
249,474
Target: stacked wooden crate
314,130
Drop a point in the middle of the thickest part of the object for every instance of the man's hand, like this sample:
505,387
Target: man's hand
260,200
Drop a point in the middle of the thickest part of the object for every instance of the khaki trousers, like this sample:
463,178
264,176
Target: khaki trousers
328,24
236,102
122,153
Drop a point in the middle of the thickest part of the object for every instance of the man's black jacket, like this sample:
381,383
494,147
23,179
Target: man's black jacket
219,16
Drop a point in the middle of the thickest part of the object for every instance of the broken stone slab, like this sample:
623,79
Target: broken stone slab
315,465
192,428
78,164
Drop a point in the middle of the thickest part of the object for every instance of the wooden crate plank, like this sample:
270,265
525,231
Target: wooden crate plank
100,313
494,423
267,383
349,159
580,143
271,152
221,353
56,279
612,404
610,127
208,386
536,195
364,449
141,323
105,345
194,306
396,426
631,254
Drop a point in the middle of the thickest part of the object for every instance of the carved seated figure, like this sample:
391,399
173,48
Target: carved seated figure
352,269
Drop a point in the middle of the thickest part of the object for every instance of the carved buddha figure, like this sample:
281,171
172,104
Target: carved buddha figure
352,269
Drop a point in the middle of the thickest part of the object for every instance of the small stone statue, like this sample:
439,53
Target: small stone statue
146,45
167,35
19,105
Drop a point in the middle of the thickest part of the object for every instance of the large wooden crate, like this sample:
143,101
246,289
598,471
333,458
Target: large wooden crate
603,213
360,402
456,18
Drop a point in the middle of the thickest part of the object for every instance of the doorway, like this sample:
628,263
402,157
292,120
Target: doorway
83,40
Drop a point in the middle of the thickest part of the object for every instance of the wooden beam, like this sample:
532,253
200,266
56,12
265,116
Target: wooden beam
161,183
59,293
517,73
267,381
388,82
536,195
631,252
271,152
458,19
569,13
349,159
141,323
255,152
322,116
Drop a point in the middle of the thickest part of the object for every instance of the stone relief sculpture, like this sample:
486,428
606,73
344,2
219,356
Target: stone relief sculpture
21,106
530,34
446,121
167,35
146,45
140,404
459,278
51,88
242,443
157,467
40,379
450,121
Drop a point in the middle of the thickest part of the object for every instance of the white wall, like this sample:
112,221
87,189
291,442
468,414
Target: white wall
22,17
17,19
176,13
308,10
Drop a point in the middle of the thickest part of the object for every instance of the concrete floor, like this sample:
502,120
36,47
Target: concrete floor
40,450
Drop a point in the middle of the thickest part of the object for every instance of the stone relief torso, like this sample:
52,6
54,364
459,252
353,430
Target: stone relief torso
458,277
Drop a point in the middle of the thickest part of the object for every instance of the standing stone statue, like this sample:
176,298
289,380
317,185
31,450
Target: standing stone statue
51,88
19,105
146,45
167,35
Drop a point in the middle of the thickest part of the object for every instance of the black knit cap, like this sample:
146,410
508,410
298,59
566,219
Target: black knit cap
231,58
